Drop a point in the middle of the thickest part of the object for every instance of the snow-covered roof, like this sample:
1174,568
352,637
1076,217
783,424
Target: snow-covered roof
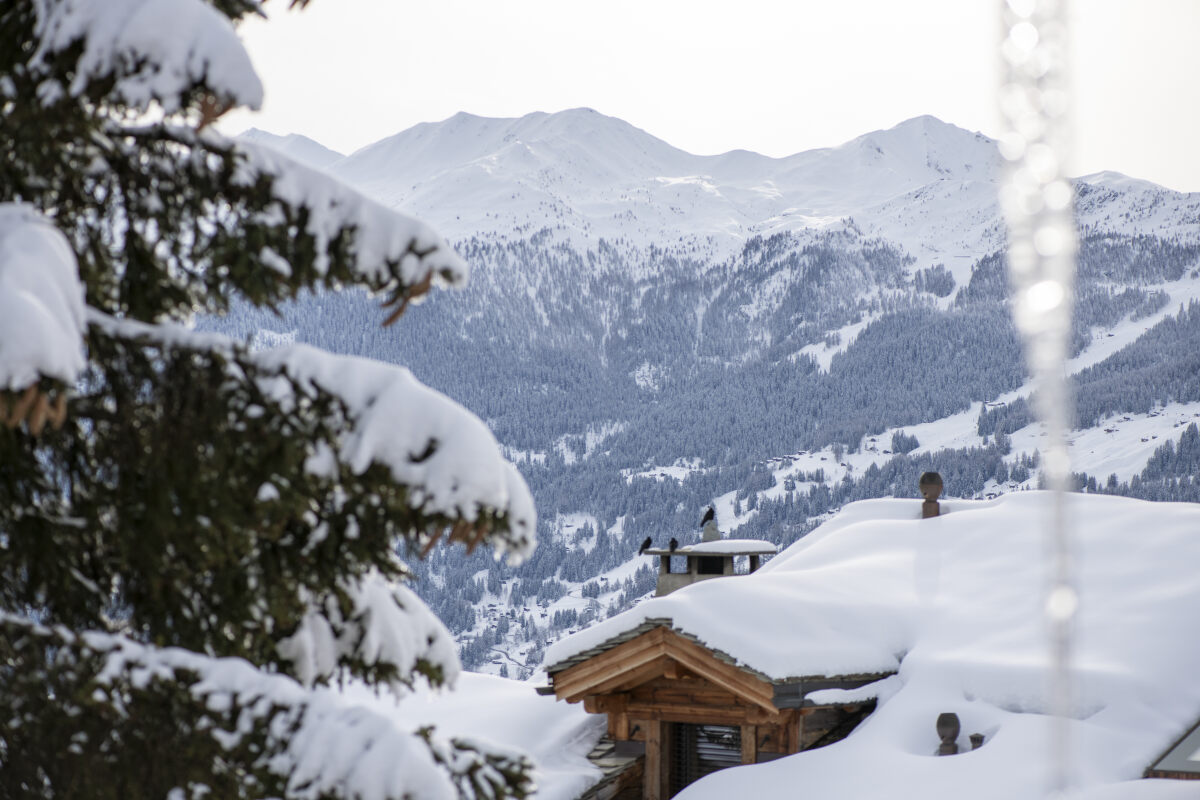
858,593
954,603
729,547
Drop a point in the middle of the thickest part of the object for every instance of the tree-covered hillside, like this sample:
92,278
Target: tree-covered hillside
593,378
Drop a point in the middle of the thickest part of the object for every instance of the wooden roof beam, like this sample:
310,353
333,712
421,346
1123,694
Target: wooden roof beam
619,658
624,681
629,664
725,676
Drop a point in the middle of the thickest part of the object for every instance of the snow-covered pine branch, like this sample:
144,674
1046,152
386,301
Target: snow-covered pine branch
195,715
41,320
208,519
137,53
41,302
385,631
165,215
308,468
393,253
211,219
445,457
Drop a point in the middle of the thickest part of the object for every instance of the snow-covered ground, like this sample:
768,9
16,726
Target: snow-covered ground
1119,445
954,604
507,713
823,353
677,471
569,446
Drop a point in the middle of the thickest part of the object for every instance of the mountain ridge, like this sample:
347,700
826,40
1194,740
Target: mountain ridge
305,150
584,176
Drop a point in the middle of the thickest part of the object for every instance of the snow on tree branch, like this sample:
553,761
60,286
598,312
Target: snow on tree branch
388,628
41,301
153,50
388,245
427,440
443,453
309,743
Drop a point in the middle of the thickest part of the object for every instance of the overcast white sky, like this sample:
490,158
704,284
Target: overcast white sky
774,76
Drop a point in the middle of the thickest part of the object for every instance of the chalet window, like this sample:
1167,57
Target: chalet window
699,750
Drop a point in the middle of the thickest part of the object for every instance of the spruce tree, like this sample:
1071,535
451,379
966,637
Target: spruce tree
199,542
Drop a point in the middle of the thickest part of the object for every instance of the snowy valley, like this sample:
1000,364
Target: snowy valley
648,332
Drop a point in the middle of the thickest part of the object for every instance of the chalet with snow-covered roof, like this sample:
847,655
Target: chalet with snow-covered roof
684,709
807,651
679,707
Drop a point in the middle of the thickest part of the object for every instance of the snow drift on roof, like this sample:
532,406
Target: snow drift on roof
726,546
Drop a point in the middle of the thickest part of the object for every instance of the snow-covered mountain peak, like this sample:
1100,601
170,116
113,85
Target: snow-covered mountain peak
593,176
301,148
1119,181
924,184
916,152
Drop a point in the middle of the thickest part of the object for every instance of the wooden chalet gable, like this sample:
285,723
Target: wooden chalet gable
666,694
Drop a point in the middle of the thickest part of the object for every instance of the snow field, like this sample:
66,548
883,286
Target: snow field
557,736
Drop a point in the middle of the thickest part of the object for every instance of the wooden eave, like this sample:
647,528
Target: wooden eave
659,651
785,693
649,624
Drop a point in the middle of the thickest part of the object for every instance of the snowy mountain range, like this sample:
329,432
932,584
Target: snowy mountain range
649,331
924,184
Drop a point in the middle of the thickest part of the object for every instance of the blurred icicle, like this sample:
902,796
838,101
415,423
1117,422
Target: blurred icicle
1037,201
